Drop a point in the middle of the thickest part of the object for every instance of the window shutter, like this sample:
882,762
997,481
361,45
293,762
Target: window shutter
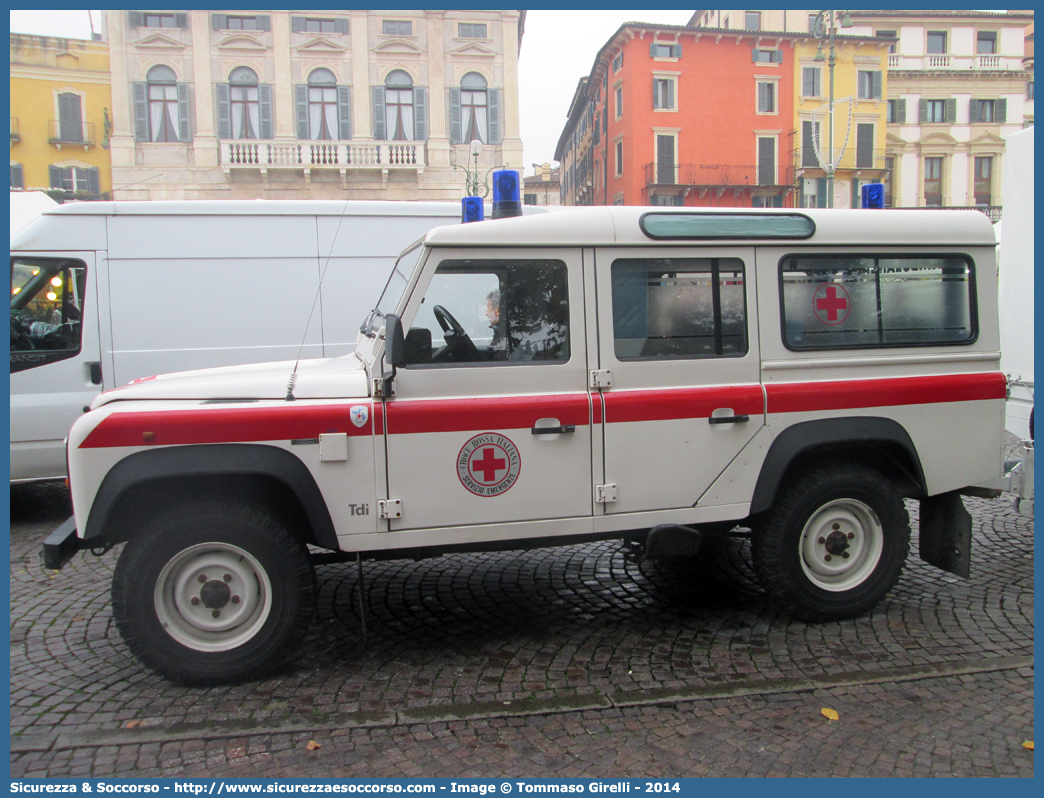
951,110
134,19
420,114
264,92
922,111
378,114
264,22
900,110
1001,110
821,192
973,111
55,176
777,56
297,24
494,116
141,111
94,182
341,25
224,116
675,51
181,20
878,84
652,50
656,93
754,55
806,83
344,112
218,21
16,176
185,133
670,94
301,101
456,134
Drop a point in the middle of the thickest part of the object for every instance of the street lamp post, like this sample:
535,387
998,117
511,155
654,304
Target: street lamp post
821,30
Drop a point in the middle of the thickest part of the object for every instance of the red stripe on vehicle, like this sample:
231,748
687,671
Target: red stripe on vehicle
596,407
681,403
378,418
807,397
244,424
502,412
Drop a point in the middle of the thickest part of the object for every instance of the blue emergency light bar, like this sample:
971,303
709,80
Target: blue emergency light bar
471,210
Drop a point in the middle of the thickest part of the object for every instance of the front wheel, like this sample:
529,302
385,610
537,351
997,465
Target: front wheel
213,593
833,544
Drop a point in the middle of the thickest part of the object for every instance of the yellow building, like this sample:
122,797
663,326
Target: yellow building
860,117
60,111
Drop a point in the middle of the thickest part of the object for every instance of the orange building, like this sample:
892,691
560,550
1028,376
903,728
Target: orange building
684,116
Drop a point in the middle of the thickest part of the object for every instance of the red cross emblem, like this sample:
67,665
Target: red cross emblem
488,464
831,303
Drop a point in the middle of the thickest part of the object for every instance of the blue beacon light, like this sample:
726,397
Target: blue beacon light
507,195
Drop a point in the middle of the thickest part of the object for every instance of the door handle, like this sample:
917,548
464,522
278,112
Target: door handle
728,419
95,372
553,430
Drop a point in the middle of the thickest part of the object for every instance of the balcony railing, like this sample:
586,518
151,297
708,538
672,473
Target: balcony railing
341,155
953,61
850,159
708,175
14,130
62,133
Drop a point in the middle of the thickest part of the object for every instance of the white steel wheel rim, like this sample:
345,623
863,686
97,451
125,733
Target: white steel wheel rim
213,597
841,545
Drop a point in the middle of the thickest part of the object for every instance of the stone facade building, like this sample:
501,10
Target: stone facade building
310,105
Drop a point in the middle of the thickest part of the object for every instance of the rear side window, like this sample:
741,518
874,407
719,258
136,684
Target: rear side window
678,308
851,301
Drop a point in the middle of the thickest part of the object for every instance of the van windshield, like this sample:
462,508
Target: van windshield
397,282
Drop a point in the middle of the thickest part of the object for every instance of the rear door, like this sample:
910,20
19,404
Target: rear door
55,356
677,335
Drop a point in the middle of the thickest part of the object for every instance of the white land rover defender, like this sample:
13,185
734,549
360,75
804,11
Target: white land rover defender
651,375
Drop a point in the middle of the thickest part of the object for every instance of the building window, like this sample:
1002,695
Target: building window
398,108
322,105
933,182
809,143
767,161
767,97
663,94
888,34
244,102
759,56
865,146
871,83
935,111
619,102
987,110
471,30
396,27
529,199
152,19
887,181
17,178
340,25
1029,90
896,111
752,20
811,81
665,160
164,120
986,42
474,108
70,118
619,159
618,199
812,22
984,180
76,179
618,63
936,42
657,50
241,23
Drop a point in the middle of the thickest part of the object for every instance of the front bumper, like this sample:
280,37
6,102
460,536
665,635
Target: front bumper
61,545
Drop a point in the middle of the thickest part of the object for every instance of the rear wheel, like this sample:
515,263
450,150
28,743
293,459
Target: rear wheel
213,593
834,543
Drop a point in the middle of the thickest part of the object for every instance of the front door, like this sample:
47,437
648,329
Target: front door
490,423
55,357
676,335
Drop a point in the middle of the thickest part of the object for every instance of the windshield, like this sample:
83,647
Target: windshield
397,282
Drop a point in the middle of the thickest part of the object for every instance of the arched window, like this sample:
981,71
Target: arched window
164,119
398,109
322,105
245,103
473,108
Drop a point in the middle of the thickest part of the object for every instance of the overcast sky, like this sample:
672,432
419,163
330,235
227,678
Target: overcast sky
558,49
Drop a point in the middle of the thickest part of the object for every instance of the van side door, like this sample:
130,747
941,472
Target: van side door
55,356
678,337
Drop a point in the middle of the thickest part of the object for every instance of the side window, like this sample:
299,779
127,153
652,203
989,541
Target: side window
46,311
845,301
492,311
679,308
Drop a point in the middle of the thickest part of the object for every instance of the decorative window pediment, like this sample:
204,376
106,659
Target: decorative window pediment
320,45
397,46
159,41
240,42
473,50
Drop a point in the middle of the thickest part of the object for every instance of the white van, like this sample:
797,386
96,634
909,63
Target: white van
103,293
655,375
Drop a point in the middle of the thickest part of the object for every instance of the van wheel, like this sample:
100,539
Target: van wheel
213,593
834,543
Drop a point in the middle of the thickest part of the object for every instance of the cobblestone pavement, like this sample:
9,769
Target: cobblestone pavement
563,662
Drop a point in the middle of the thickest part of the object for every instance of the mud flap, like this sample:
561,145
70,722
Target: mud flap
945,539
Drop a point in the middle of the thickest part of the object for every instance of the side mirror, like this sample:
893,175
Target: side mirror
395,341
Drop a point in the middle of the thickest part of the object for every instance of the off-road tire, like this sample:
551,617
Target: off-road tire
846,508
213,593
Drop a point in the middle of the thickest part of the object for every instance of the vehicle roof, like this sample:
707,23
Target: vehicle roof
258,207
619,226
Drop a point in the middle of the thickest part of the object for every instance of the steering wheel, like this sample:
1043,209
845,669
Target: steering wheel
19,337
461,343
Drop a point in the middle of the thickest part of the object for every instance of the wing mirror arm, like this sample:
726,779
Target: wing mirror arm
394,351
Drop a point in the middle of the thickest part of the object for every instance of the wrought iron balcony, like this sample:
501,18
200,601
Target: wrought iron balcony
307,155
708,175
63,133
851,159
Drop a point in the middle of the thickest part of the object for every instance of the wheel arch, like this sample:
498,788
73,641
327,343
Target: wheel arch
264,475
879,442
